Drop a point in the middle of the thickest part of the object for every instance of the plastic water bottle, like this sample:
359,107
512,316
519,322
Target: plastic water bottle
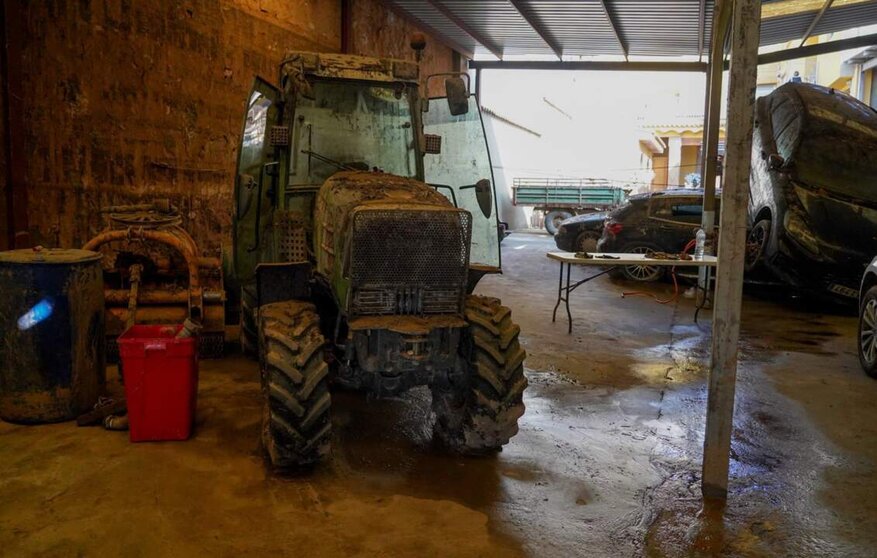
699,244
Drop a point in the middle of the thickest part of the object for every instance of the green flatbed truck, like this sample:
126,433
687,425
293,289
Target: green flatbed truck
561,198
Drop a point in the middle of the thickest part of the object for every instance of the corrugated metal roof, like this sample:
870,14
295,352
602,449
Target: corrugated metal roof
585,27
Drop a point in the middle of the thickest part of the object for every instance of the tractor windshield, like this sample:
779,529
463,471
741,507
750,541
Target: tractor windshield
352,125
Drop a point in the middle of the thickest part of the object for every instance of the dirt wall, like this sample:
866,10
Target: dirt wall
4,210
129,100
377,31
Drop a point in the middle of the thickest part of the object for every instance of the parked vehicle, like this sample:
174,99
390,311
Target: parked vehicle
581,233
813,192
655,222
561,198
362,277
868,320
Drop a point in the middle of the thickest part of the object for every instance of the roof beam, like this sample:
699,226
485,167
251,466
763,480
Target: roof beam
539,29
815,21
614,27
404,14
458,21
588,65
820,48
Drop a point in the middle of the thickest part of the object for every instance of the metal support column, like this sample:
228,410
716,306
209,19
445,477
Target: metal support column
732,248
711,127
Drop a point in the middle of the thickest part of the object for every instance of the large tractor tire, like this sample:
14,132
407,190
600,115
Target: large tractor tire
295,385
554,218
478,413
249,335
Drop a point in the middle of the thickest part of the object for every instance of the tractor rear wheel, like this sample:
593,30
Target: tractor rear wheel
295,385
478,413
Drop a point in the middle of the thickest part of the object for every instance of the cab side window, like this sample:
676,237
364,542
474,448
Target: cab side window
687,212
678,210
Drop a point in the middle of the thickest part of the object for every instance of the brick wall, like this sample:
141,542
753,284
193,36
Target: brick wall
4,215
127,100
377,31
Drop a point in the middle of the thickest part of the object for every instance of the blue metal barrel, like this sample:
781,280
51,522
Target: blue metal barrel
52,361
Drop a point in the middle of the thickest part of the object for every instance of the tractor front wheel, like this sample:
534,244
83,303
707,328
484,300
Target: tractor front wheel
478,413
295,385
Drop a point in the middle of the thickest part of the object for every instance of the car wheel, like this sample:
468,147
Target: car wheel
587,241
868,332
756,243
641,273
554,219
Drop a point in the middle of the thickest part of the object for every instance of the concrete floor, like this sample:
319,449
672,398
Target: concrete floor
606,464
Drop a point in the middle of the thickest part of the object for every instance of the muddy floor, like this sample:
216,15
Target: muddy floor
607,462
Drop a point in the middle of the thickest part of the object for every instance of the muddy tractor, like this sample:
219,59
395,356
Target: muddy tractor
364,217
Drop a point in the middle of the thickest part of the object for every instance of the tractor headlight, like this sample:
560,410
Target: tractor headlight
798,230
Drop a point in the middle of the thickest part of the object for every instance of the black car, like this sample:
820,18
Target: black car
581,233
813,191
655,222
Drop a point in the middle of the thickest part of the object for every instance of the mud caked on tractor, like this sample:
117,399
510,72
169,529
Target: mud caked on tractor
364,216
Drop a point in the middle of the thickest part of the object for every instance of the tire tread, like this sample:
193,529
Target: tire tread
482,415
296,425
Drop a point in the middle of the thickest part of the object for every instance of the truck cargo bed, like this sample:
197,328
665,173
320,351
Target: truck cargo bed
596,193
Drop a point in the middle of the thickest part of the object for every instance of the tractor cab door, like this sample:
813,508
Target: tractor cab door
463,173
255,182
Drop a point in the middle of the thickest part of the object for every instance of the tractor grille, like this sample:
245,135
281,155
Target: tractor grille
409,262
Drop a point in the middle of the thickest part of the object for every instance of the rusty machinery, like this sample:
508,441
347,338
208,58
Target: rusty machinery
153,274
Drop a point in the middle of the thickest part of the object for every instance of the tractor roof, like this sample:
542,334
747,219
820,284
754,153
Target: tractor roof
348,66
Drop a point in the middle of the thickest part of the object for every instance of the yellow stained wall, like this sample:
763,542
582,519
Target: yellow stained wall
132,100
689,161
659,166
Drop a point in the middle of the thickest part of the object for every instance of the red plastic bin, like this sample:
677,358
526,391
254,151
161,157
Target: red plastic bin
161,382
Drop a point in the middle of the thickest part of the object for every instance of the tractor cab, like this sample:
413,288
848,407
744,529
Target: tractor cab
337,113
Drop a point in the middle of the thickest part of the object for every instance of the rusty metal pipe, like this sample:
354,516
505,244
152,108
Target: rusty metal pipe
183,246
146,297
177,239
213,319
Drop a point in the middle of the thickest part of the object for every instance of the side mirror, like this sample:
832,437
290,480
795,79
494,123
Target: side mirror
483,194
458,95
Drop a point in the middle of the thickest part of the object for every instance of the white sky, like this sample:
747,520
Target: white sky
600,136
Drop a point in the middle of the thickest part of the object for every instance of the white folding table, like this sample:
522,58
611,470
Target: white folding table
611,261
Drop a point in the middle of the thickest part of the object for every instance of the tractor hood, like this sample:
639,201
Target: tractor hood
379,234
